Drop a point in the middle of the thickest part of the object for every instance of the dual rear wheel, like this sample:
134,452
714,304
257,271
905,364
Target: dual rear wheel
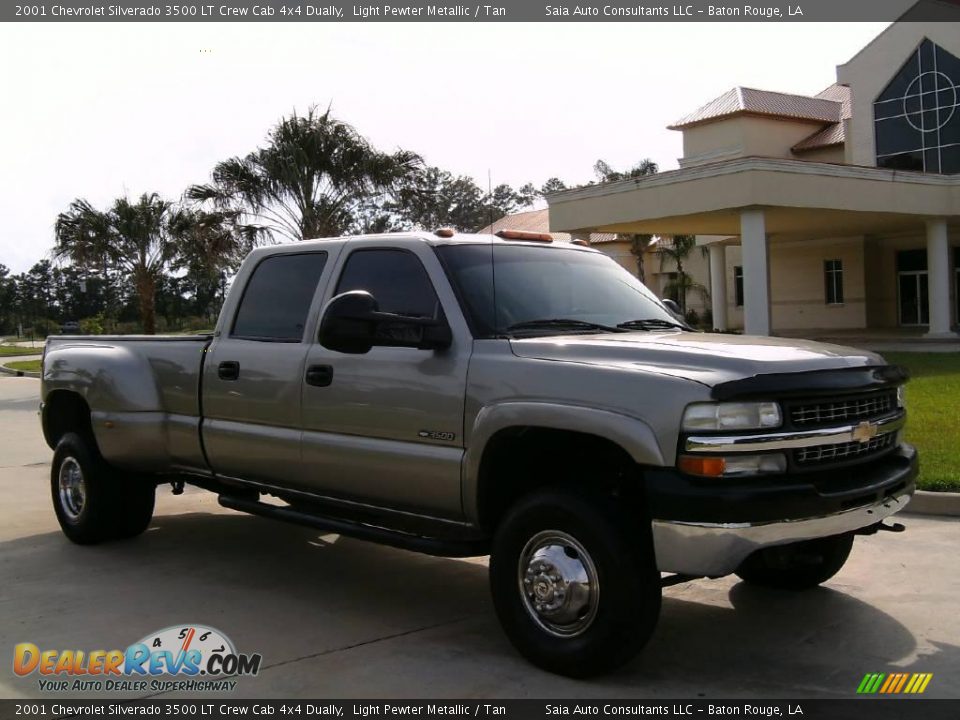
92,501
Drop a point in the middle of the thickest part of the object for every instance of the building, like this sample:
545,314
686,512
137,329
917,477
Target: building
834,211
657,275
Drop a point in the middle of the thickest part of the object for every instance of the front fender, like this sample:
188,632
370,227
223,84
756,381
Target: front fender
631,434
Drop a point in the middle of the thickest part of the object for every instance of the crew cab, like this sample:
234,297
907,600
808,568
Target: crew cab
464,395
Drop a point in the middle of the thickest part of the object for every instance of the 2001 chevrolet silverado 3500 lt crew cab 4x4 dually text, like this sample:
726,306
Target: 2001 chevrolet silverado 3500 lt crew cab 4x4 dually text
462,395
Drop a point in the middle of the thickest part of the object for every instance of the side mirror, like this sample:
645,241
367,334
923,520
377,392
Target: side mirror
672,306
352,323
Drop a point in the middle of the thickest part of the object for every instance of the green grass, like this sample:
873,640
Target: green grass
933,411
26,365
8,350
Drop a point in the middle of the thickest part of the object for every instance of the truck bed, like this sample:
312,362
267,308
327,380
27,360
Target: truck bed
143,392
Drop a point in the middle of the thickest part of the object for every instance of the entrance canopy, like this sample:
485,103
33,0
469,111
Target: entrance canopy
757,198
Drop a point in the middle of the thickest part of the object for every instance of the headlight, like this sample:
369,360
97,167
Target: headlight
901,400
731,416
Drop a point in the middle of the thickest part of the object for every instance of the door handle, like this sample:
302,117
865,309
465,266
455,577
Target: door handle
319,375
228,370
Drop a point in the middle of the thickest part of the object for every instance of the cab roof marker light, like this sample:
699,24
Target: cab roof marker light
524,235
445,232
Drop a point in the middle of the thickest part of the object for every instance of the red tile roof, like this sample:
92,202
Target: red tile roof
539,221
834,133
748,101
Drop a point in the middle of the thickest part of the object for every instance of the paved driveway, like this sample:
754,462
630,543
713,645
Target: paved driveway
340,618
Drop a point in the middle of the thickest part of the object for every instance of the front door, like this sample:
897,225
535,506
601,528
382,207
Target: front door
914,298
386,428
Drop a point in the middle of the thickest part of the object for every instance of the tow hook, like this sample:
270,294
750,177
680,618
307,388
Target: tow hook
177,486
877,527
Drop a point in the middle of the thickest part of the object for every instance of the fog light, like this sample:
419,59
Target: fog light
733,465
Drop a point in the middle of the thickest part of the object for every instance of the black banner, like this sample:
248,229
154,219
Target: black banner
210,709
496,11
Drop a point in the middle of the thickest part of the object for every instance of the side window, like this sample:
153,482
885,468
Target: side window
277,298
396,278
738,285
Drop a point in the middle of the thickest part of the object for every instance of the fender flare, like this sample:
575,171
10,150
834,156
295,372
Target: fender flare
632,434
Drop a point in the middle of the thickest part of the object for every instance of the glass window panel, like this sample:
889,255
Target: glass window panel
898,86
888,108
926,56
902,161
910,260
950,160
395,278
927,89
896,136
277,298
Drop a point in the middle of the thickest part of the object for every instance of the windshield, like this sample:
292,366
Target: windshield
506,289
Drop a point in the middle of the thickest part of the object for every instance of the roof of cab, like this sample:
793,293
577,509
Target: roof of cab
422,236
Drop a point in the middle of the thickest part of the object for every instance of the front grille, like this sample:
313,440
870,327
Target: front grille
811,414
841,452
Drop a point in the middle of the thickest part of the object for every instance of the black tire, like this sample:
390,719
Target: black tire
797,566
619,618
91,502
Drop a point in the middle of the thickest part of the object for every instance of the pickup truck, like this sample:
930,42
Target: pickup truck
465,395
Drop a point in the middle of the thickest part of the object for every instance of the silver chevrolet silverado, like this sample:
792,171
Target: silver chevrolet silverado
464,395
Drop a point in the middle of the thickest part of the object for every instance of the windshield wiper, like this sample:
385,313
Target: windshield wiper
563,324
651,324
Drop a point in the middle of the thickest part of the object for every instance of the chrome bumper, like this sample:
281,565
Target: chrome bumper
718,549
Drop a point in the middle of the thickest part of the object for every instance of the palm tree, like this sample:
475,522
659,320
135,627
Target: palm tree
209,245
639,243
131,237
313,179
677,250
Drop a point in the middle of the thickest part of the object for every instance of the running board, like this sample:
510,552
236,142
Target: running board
440,547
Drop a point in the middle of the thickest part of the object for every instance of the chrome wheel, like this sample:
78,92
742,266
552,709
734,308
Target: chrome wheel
559,583
73,489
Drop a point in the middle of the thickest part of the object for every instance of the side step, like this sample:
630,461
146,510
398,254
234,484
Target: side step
441,547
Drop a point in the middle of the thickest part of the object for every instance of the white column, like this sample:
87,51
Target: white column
938,276
718,285
756,273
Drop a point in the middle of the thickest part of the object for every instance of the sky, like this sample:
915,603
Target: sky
101,110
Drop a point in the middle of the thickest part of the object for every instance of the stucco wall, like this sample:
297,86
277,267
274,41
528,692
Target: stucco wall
747,135
797,286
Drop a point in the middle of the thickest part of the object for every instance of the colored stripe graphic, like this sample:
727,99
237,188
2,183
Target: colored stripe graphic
894,683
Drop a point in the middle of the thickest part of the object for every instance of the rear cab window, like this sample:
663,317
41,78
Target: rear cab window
277,298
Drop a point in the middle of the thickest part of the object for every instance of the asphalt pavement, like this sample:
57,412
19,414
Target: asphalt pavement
339,618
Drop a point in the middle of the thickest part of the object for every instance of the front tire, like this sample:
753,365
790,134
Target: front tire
574,582
797,566
91,502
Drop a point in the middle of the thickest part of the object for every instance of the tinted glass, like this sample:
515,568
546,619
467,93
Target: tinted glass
503,285
396,278
277,297
910,260
917,116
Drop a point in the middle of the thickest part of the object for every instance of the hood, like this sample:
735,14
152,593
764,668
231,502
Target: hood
708,358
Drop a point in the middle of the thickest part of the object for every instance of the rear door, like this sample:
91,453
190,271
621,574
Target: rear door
253,371
386,428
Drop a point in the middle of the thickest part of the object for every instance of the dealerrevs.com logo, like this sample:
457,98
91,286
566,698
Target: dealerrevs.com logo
181,657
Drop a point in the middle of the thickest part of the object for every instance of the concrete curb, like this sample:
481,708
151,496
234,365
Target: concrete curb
925,502
18,373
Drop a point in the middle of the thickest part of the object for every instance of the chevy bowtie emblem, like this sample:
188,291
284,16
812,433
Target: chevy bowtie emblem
865,431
